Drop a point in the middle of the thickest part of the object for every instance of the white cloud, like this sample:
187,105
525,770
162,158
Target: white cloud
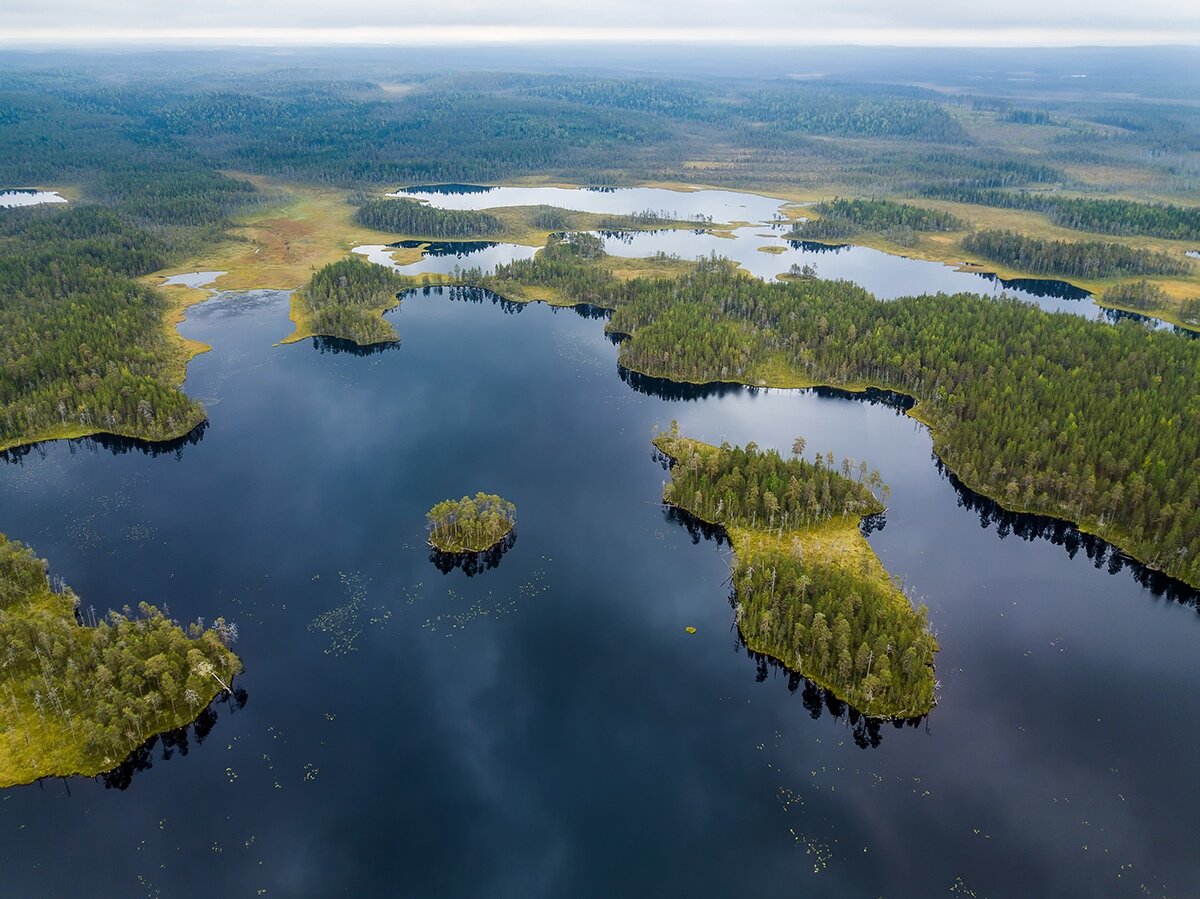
922,22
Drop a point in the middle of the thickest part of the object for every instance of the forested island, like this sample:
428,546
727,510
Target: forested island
1048,413
809,590
841,219
81,691
347,299
471,524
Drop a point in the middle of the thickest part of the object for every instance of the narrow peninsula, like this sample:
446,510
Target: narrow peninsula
79,696
471,525
1046,413
347,299
809,590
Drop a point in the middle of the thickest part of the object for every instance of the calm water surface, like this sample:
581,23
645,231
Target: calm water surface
717,205
547,728
760,249
21,196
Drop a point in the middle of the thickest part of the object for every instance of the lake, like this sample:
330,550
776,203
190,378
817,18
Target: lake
21,196
716,205
761,249
547,727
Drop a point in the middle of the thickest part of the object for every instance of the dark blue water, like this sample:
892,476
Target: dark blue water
547,727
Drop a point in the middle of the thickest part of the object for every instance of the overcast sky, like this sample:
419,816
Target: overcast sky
917,22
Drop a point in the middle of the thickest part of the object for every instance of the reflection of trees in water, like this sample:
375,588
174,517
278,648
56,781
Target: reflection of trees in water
814,246
337,345
1063,533
676,391
868,731
472,563
1038,287
588,310
446,189
457,248
173,742
467,294
114,444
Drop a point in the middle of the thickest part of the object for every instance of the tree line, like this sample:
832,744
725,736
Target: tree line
843,218
417,219
1080,259
1099,215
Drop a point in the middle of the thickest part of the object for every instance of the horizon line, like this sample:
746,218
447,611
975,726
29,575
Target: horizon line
501,35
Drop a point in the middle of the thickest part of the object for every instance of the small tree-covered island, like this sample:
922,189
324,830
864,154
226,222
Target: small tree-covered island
809,590
471,524
80,696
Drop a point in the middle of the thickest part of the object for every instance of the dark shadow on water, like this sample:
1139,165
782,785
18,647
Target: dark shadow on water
815,246
1062,533
1147,321
173,742
589,310
472,563
681,391
1038,287
336,345
456,248
467,294
446,189
112,443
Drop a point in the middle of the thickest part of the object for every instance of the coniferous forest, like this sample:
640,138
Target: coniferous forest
86,347
808,589
422,220
692,644
81,689
1079,259
1024,405
346,299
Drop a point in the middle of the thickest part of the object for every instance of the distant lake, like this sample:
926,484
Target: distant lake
11,197
719,205
886,275
547,728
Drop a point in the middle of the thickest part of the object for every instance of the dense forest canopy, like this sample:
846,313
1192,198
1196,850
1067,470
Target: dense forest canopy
843,218
1082,258
472,524
346,299
415,219
869,136
79,697
1049,413
86,348
1098,215
808,589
